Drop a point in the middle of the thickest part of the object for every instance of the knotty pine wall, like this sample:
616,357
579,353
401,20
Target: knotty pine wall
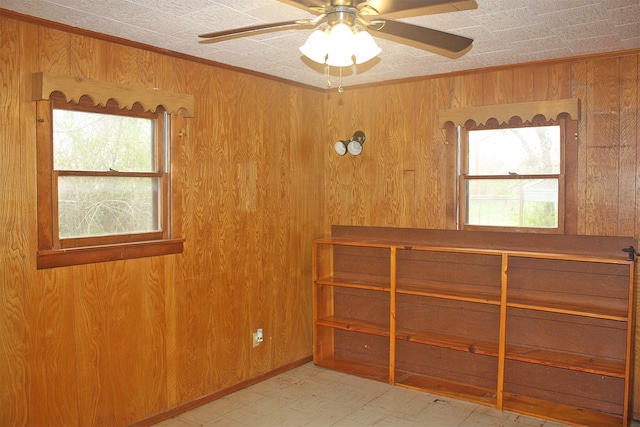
108,344
112,343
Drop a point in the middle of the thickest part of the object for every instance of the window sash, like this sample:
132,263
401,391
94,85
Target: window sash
464,178
157,197
520,201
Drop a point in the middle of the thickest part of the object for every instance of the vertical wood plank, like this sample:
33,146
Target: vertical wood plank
13,327
13,335
466,90
497,87
123,344
38,365
58,325
92,329
628,136
526,80
553,81
53,51
307,160
602,151
88,58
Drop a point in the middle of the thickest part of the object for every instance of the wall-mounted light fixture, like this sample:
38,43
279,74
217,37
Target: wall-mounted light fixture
353,145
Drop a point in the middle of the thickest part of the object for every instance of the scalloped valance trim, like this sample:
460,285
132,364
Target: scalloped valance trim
505,112
73,88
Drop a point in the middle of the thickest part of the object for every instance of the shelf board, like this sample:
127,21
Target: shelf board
361,369
354,325
469,345
451,249
570,361
558,412
370,285
575,309
444,290
446,388
370,243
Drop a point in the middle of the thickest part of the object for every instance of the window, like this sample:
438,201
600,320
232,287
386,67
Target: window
104,183
110,172
513,175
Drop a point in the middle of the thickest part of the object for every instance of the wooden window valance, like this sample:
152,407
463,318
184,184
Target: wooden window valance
526,111
73,88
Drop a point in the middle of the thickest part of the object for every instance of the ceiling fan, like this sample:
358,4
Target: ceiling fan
360,16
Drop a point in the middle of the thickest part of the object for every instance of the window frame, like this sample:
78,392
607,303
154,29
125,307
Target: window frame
566,178
56,252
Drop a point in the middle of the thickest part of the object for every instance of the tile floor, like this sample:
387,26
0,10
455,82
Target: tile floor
314,396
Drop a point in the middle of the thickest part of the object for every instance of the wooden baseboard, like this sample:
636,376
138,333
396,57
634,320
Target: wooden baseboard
218,394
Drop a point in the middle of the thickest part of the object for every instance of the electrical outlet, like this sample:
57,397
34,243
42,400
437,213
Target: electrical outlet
257,337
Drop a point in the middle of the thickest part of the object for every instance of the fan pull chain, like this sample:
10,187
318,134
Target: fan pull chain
329,84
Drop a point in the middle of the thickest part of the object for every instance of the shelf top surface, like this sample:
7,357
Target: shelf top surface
605,249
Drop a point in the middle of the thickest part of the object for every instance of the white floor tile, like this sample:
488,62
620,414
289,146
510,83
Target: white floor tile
310,396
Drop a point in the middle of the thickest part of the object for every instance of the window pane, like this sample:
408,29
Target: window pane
102,142
98,206
513,202
527,150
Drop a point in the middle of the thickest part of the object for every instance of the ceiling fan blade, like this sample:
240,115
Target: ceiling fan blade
406,8
317,6
243,31
446,44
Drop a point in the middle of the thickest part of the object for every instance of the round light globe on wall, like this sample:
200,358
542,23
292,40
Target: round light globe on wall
340,148
354,148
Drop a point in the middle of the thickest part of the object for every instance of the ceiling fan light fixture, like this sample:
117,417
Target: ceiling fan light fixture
340,45
315,48
340,59
365,47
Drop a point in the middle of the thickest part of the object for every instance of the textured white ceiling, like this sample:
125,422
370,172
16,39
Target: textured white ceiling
504,32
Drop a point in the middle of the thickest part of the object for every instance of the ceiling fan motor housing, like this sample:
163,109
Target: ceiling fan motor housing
342,15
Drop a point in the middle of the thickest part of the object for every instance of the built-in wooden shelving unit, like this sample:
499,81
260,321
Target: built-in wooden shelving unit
539,324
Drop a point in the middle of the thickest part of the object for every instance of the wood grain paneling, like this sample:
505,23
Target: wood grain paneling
57,320
37,363
629,135
498,86
89,58
13,335
14,363
112,343
602,141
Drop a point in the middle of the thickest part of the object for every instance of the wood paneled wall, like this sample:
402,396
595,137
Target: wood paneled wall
112,343
109,344
406,173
